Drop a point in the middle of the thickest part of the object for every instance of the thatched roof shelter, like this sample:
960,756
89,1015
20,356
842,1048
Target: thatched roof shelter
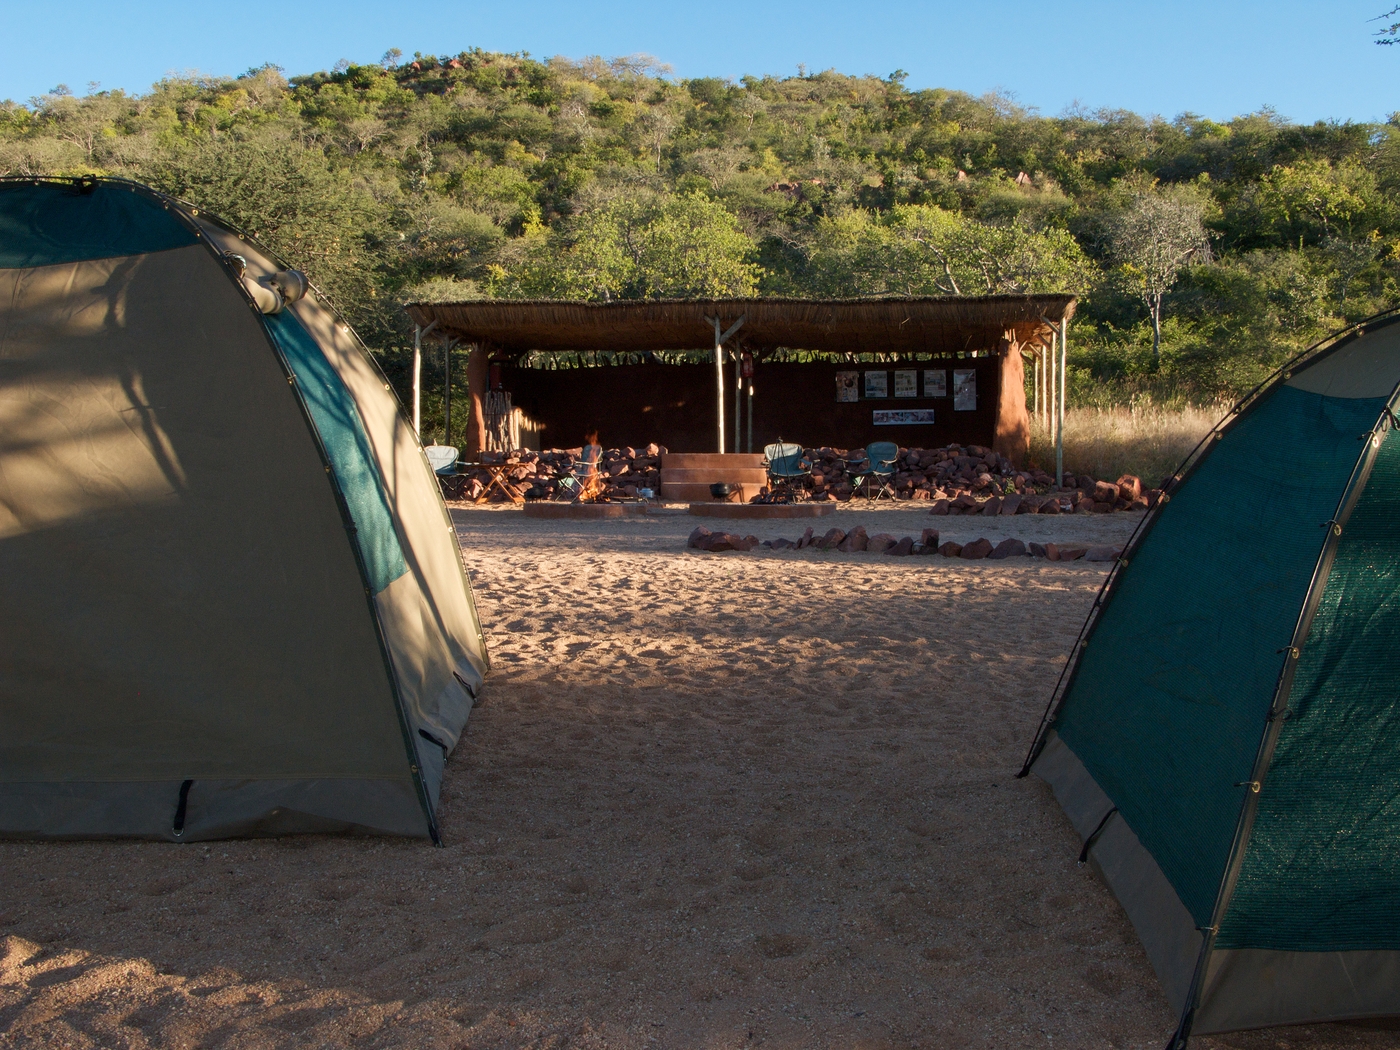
885,325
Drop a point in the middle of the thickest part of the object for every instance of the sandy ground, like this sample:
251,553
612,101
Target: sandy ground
707,801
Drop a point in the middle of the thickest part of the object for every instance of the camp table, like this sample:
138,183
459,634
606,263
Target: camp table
497,473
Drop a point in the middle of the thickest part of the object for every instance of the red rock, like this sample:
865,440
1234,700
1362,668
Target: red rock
718,541
1072,553
992,507
1129,487
830,540
1102,508
1010,504
950,549
695,537
1030,504
880,542
929,538
781,544
855,540
1085,506
1105,492
904,547
1035,550
1138,504
1052,551
1153,495
806,539
976,549
940,506
1050,506
1102,553
966,501
1009,548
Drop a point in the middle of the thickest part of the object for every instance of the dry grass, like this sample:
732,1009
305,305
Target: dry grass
1107,443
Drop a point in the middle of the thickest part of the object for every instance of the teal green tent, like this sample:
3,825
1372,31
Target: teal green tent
231,599
1227,740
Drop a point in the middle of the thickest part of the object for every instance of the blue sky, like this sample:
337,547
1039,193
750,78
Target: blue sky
1308,60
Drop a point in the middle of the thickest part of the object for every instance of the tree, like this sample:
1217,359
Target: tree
641,246
919,249
1153,240
1391,33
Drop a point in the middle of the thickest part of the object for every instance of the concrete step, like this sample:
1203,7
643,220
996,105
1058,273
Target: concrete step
686,491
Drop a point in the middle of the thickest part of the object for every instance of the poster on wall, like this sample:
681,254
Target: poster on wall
877,384
847,386
935,382
964,389
906,383
902,417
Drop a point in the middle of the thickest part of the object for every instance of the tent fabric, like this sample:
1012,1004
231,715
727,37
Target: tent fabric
1254,847
429,617
347,447
185,603
43,225
1189,709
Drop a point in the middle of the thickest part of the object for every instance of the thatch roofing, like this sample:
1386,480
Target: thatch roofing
887,325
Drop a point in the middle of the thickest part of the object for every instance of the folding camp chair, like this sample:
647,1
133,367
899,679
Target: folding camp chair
786,468
582,484
880,458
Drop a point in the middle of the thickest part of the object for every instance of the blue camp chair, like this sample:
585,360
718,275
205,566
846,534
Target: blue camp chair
880,458
584,483
786,467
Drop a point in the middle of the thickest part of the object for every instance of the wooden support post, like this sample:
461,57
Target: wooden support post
1060,422
738,395
447,345
749,447
418,334
720,339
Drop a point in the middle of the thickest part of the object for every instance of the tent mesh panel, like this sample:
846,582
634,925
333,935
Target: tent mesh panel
1322,868
1169,702
347,446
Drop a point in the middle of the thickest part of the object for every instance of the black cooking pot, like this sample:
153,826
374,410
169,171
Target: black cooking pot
721,490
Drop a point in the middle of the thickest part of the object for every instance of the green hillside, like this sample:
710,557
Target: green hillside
499,175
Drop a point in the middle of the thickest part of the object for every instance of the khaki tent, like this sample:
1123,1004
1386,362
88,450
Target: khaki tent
231,599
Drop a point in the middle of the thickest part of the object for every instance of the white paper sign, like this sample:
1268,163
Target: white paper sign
877,384
964,389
